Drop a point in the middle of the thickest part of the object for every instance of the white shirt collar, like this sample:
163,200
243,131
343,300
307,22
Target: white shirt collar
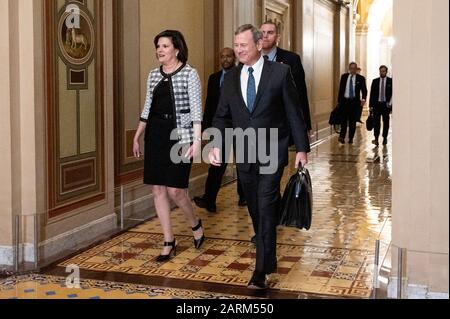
258,65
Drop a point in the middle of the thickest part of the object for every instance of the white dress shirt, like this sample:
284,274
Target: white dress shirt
347,88
257,72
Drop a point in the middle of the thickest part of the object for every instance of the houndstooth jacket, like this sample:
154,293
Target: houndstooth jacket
186,92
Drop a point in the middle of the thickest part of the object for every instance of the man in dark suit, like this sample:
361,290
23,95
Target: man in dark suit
361,109
271,51
260,96
215,174
381,104
352,96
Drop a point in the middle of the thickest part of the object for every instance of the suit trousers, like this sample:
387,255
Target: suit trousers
214,182
350,112
381,111
263,198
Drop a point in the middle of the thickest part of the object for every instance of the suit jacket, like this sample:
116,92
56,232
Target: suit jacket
298,73
212,99
360,88
276,106
375,92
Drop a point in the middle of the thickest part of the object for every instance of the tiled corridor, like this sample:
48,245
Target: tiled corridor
352,209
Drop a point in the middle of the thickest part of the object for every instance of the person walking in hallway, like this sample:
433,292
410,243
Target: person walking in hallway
261,95
352,96
381,105
215,174
271,51
173,102
361,109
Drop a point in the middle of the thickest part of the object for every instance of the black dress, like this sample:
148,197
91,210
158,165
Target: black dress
158,167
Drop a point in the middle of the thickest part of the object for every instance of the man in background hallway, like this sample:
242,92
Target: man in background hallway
380,104
215,174
361,109
271,51
352,96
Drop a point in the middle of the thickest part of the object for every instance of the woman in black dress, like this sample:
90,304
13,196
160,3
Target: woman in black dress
173,105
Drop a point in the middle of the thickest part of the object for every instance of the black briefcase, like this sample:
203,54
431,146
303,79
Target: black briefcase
335,116
370,123
297,202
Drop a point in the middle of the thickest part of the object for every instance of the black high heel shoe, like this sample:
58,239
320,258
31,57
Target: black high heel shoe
199,242
173,251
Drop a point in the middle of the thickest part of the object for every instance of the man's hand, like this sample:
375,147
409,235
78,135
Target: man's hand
214,157
301,158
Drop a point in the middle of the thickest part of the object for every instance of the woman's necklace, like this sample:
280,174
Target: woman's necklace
170,70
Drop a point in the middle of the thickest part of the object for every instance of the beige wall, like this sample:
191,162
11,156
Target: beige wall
324,47
192,18
5,128
18,114
234,13
420,148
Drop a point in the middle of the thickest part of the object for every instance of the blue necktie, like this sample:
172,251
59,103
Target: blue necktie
352,89
251,90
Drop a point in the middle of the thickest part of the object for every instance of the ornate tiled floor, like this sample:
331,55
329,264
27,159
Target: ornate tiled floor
352,209
52,287
301,268
351,186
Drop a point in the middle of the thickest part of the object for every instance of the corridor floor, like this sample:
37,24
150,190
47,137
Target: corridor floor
334,259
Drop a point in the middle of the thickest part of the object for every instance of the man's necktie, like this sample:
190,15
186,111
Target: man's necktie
251,90
352,89
222,78
266,57
383,91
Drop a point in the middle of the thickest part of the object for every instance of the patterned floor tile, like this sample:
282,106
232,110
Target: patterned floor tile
51,287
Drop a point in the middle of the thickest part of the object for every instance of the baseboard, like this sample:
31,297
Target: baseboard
6,255
78,237
68,241
26,253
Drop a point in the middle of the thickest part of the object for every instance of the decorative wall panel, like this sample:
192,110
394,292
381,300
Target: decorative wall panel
74,89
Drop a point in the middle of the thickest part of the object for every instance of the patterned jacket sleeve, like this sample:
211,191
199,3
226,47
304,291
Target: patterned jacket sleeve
195,96
148,101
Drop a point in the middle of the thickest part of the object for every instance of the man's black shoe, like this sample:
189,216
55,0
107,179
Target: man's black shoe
341,140
385,141
201,202
242,202
258,281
